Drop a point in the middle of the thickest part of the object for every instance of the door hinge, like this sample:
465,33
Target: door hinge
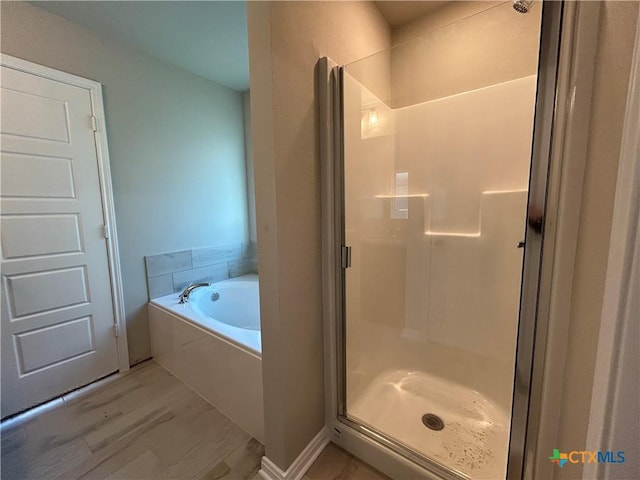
345,256
105,230
94,123
116,330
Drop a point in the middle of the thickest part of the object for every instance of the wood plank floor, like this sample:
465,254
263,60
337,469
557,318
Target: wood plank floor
146,424
336,464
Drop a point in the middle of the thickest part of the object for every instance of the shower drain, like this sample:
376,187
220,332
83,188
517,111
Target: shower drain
432,421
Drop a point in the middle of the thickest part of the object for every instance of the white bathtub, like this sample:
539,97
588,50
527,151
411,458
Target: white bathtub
235,315
214,346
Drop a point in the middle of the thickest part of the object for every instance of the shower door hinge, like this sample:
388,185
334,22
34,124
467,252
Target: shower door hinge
345,256
94,123
116,330
105,230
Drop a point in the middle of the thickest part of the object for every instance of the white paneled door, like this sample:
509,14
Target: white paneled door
58,329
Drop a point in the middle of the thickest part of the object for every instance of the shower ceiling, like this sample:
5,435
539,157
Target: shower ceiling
397,13
205,38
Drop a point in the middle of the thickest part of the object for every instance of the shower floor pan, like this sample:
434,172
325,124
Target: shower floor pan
475,437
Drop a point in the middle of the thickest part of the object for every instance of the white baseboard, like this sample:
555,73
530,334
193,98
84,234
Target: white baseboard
302,463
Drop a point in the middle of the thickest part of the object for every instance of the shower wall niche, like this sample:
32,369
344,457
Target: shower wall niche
437,147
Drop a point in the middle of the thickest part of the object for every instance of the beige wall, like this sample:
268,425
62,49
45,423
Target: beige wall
462,46
251,186
176,147
286,39
612,67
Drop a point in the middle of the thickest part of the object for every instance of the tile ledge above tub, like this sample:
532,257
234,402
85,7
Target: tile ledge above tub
171,272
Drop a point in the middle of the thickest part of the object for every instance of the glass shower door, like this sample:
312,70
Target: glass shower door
437,148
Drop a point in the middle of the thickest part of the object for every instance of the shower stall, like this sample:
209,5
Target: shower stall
429,179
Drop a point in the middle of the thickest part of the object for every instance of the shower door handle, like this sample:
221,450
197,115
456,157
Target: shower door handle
536,223
345,256
535,218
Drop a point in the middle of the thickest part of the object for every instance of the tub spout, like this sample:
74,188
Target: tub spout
184,296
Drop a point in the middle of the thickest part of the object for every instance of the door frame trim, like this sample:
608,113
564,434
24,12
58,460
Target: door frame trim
106,192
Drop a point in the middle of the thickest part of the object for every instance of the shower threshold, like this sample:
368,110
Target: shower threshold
474,439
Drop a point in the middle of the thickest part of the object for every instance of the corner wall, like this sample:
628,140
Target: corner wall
286,40
176,147
248,152
611,82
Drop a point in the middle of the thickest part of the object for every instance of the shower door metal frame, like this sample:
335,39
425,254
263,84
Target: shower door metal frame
551,120
359,440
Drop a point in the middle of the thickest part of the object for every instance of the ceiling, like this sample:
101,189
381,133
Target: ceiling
206,38
398,13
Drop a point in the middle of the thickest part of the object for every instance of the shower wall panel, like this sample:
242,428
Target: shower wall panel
470,152
435,207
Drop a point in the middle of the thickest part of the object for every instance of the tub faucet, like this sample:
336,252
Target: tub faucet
184,296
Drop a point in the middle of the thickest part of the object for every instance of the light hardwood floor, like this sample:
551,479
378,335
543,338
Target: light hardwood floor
336,464
145,425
